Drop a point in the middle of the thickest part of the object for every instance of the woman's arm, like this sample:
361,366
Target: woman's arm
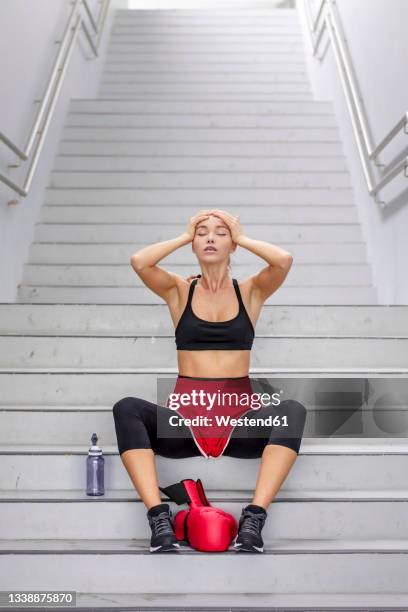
274,255
153,253
157,279
144,261
267,280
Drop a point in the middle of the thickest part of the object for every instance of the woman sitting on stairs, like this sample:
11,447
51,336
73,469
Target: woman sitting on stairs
213,351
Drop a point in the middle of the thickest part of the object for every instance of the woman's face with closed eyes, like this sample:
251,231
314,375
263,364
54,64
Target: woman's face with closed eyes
212,232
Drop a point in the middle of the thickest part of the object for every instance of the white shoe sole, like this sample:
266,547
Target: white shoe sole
174,547
241,547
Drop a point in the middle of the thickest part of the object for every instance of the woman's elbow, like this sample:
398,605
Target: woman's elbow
287,261
135,262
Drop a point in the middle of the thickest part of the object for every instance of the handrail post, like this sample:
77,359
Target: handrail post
328,15
52,89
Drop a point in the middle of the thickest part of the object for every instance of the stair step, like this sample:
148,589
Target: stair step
70,426
186,93
327,572
240,602
107,295
210,197
212,77
200,32
307,254
142,350
82,386
214,149
215,496
152,63
226,12
144,214
68,254
150,320
101,233
261,27
367,467
140,546
258,108
190,43
200,180
383,447
236,23
292,516
286,134
170,163
111,253
205,31
160,120
127,54
124,276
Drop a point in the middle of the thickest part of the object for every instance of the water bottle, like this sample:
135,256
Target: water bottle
95,469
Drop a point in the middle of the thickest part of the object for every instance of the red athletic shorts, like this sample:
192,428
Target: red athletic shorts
211,402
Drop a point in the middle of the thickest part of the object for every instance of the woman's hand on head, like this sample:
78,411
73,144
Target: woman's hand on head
231,221
194,220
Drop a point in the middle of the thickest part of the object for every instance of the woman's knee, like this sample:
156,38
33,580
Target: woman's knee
132,423
295,418
127,405
294,409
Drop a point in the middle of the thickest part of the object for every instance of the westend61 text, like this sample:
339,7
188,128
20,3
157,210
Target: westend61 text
225,420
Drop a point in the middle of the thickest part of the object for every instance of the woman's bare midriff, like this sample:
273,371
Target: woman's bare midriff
213,364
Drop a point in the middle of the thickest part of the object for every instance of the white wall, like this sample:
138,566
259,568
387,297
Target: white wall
28,31
375,31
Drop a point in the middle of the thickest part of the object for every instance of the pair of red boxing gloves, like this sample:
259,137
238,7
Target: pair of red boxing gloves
203,526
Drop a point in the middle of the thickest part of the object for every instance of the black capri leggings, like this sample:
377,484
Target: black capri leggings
137,422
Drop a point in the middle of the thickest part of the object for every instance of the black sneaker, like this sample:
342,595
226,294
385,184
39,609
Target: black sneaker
163,537
250,525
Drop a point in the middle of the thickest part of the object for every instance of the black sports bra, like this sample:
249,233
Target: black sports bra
195,334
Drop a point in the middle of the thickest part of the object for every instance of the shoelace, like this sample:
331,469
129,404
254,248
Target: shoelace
161,523
252,522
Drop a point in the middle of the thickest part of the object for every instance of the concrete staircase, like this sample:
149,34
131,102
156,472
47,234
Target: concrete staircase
197,109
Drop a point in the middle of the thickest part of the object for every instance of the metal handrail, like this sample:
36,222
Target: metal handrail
53,88
327,18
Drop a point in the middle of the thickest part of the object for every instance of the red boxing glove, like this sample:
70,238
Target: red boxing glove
203,526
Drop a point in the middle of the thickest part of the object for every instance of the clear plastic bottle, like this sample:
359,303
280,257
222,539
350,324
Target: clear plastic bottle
95,464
